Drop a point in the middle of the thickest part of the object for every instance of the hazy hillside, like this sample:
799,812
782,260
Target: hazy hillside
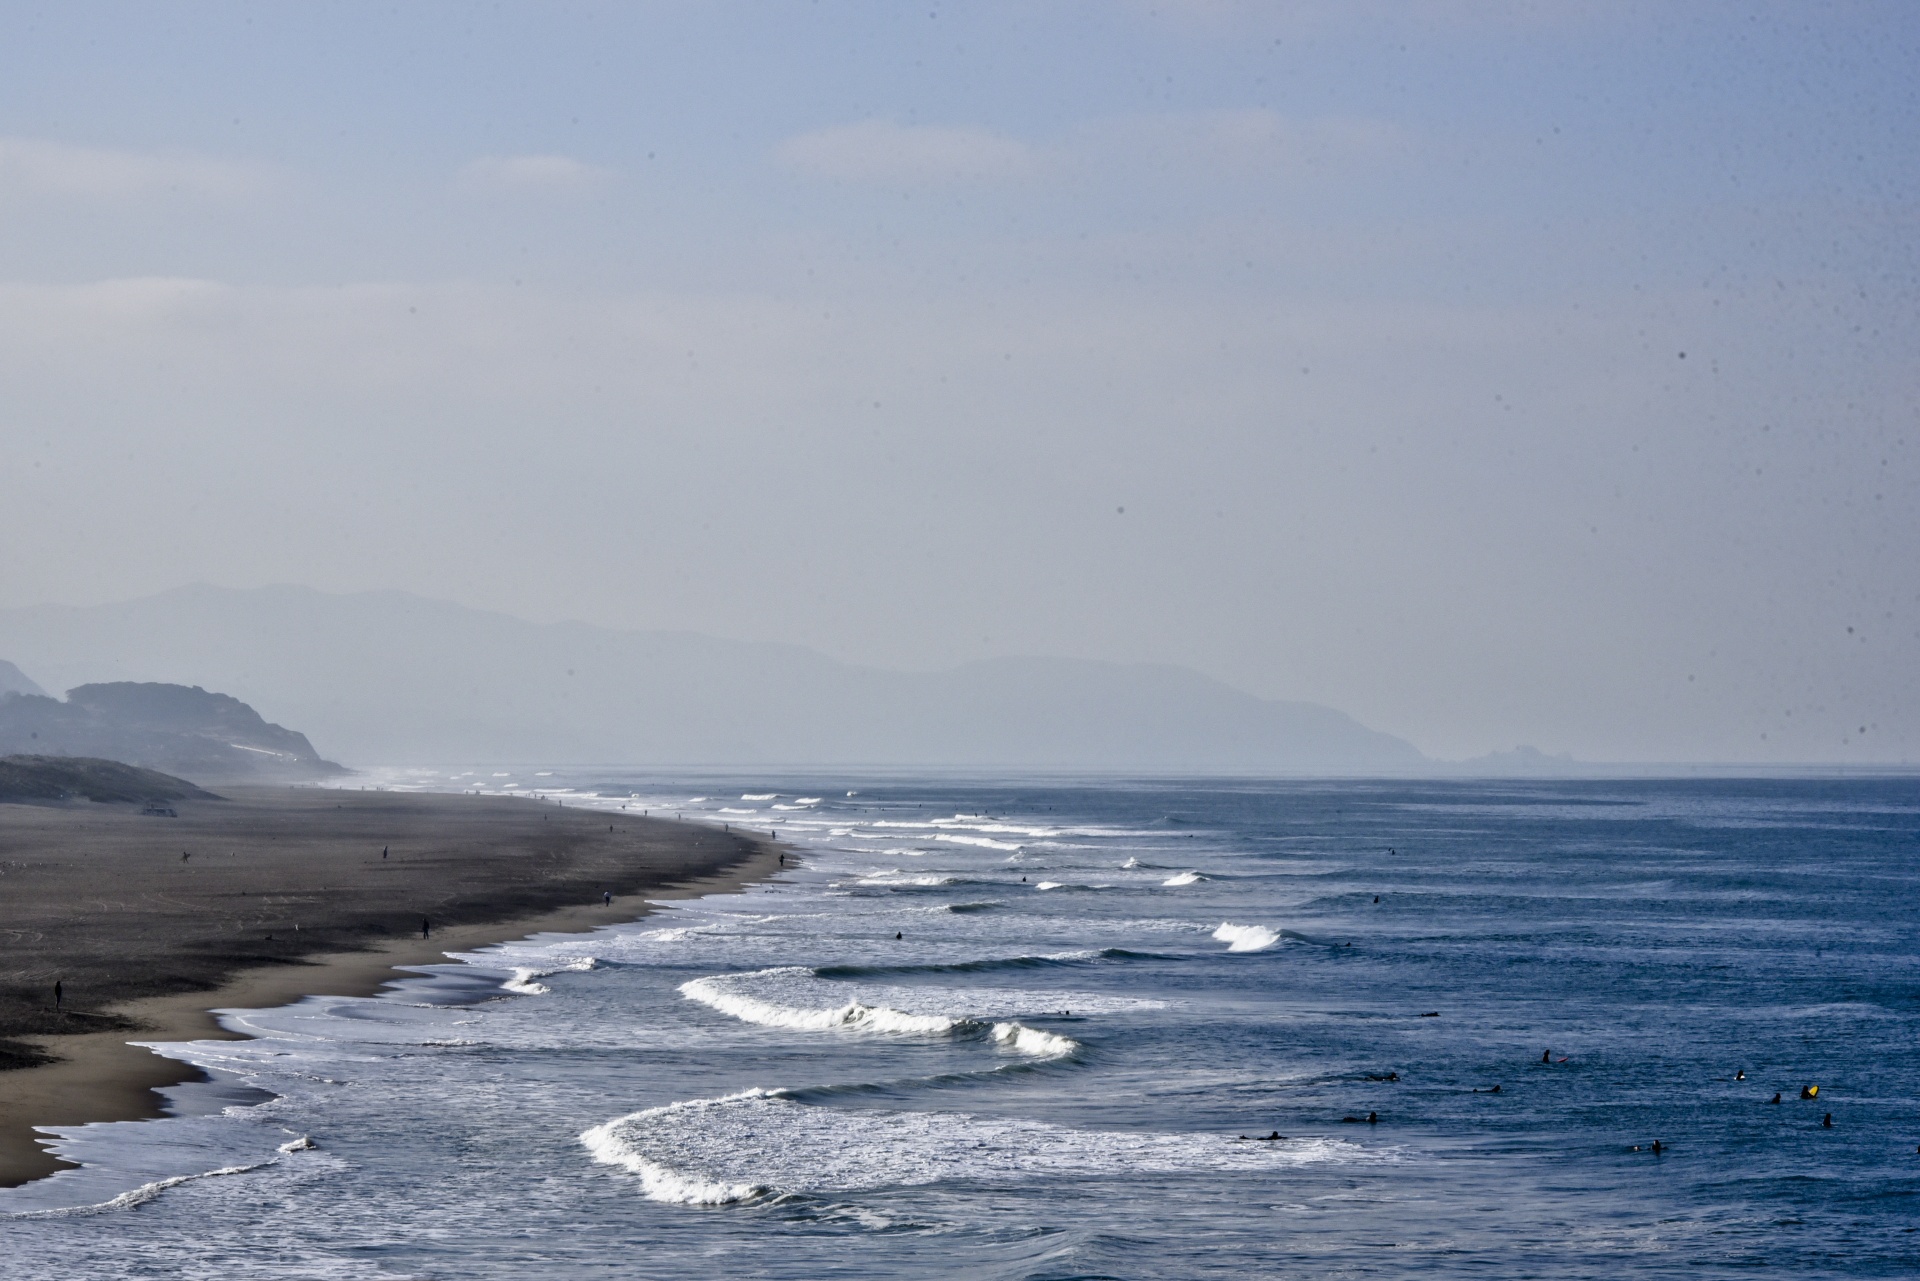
63,778
176,728
389,677
14,681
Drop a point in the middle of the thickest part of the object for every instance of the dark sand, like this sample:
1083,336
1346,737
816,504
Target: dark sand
285,895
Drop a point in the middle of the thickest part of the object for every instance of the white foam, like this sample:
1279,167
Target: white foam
984,842
1022,1039
761,1144
1050,885
758,796
135,1197
1184,878
1246,938
524,976
618,1142
723,994
796,997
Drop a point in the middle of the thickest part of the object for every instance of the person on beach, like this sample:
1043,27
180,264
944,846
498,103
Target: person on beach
426,927
383,851
606,898
59,994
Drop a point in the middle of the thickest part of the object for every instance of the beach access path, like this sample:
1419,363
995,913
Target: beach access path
273,893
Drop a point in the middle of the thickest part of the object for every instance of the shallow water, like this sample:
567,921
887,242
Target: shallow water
1047,1077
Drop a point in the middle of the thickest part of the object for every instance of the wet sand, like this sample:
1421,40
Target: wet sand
283,894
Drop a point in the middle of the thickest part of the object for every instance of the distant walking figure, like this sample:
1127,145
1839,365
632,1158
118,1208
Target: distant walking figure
606,897
184,856
383,851
783,860
426,927
59,994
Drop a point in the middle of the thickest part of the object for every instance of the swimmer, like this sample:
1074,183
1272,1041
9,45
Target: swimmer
1774,1099
1827,1121
1809,1091
1546,1056
1741,1075
1376,898
898,935
1373,1118
1657,1149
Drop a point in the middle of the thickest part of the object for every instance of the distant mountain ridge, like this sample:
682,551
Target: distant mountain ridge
179,729
387,677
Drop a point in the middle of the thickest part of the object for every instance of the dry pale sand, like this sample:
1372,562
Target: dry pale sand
283,893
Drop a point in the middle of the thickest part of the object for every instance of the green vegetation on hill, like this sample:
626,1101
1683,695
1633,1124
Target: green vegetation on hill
61,778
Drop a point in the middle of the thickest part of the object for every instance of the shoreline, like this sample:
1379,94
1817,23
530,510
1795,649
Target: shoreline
104,1076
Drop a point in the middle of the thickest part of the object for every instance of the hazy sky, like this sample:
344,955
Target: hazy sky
1497,372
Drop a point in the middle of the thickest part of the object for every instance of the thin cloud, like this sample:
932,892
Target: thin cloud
533,173
36,167
1252,136
884,151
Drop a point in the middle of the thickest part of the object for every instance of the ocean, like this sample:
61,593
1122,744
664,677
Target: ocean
1006,1028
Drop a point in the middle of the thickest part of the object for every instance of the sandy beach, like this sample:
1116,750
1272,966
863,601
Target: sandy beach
148,923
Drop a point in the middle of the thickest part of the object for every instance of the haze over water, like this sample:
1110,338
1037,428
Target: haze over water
1094,989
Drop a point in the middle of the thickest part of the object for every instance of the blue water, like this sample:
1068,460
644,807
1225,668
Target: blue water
1051,1082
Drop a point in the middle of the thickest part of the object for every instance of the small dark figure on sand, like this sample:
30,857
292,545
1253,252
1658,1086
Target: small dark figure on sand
606,898
184,856
426,927
383,851
783,860
59,994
